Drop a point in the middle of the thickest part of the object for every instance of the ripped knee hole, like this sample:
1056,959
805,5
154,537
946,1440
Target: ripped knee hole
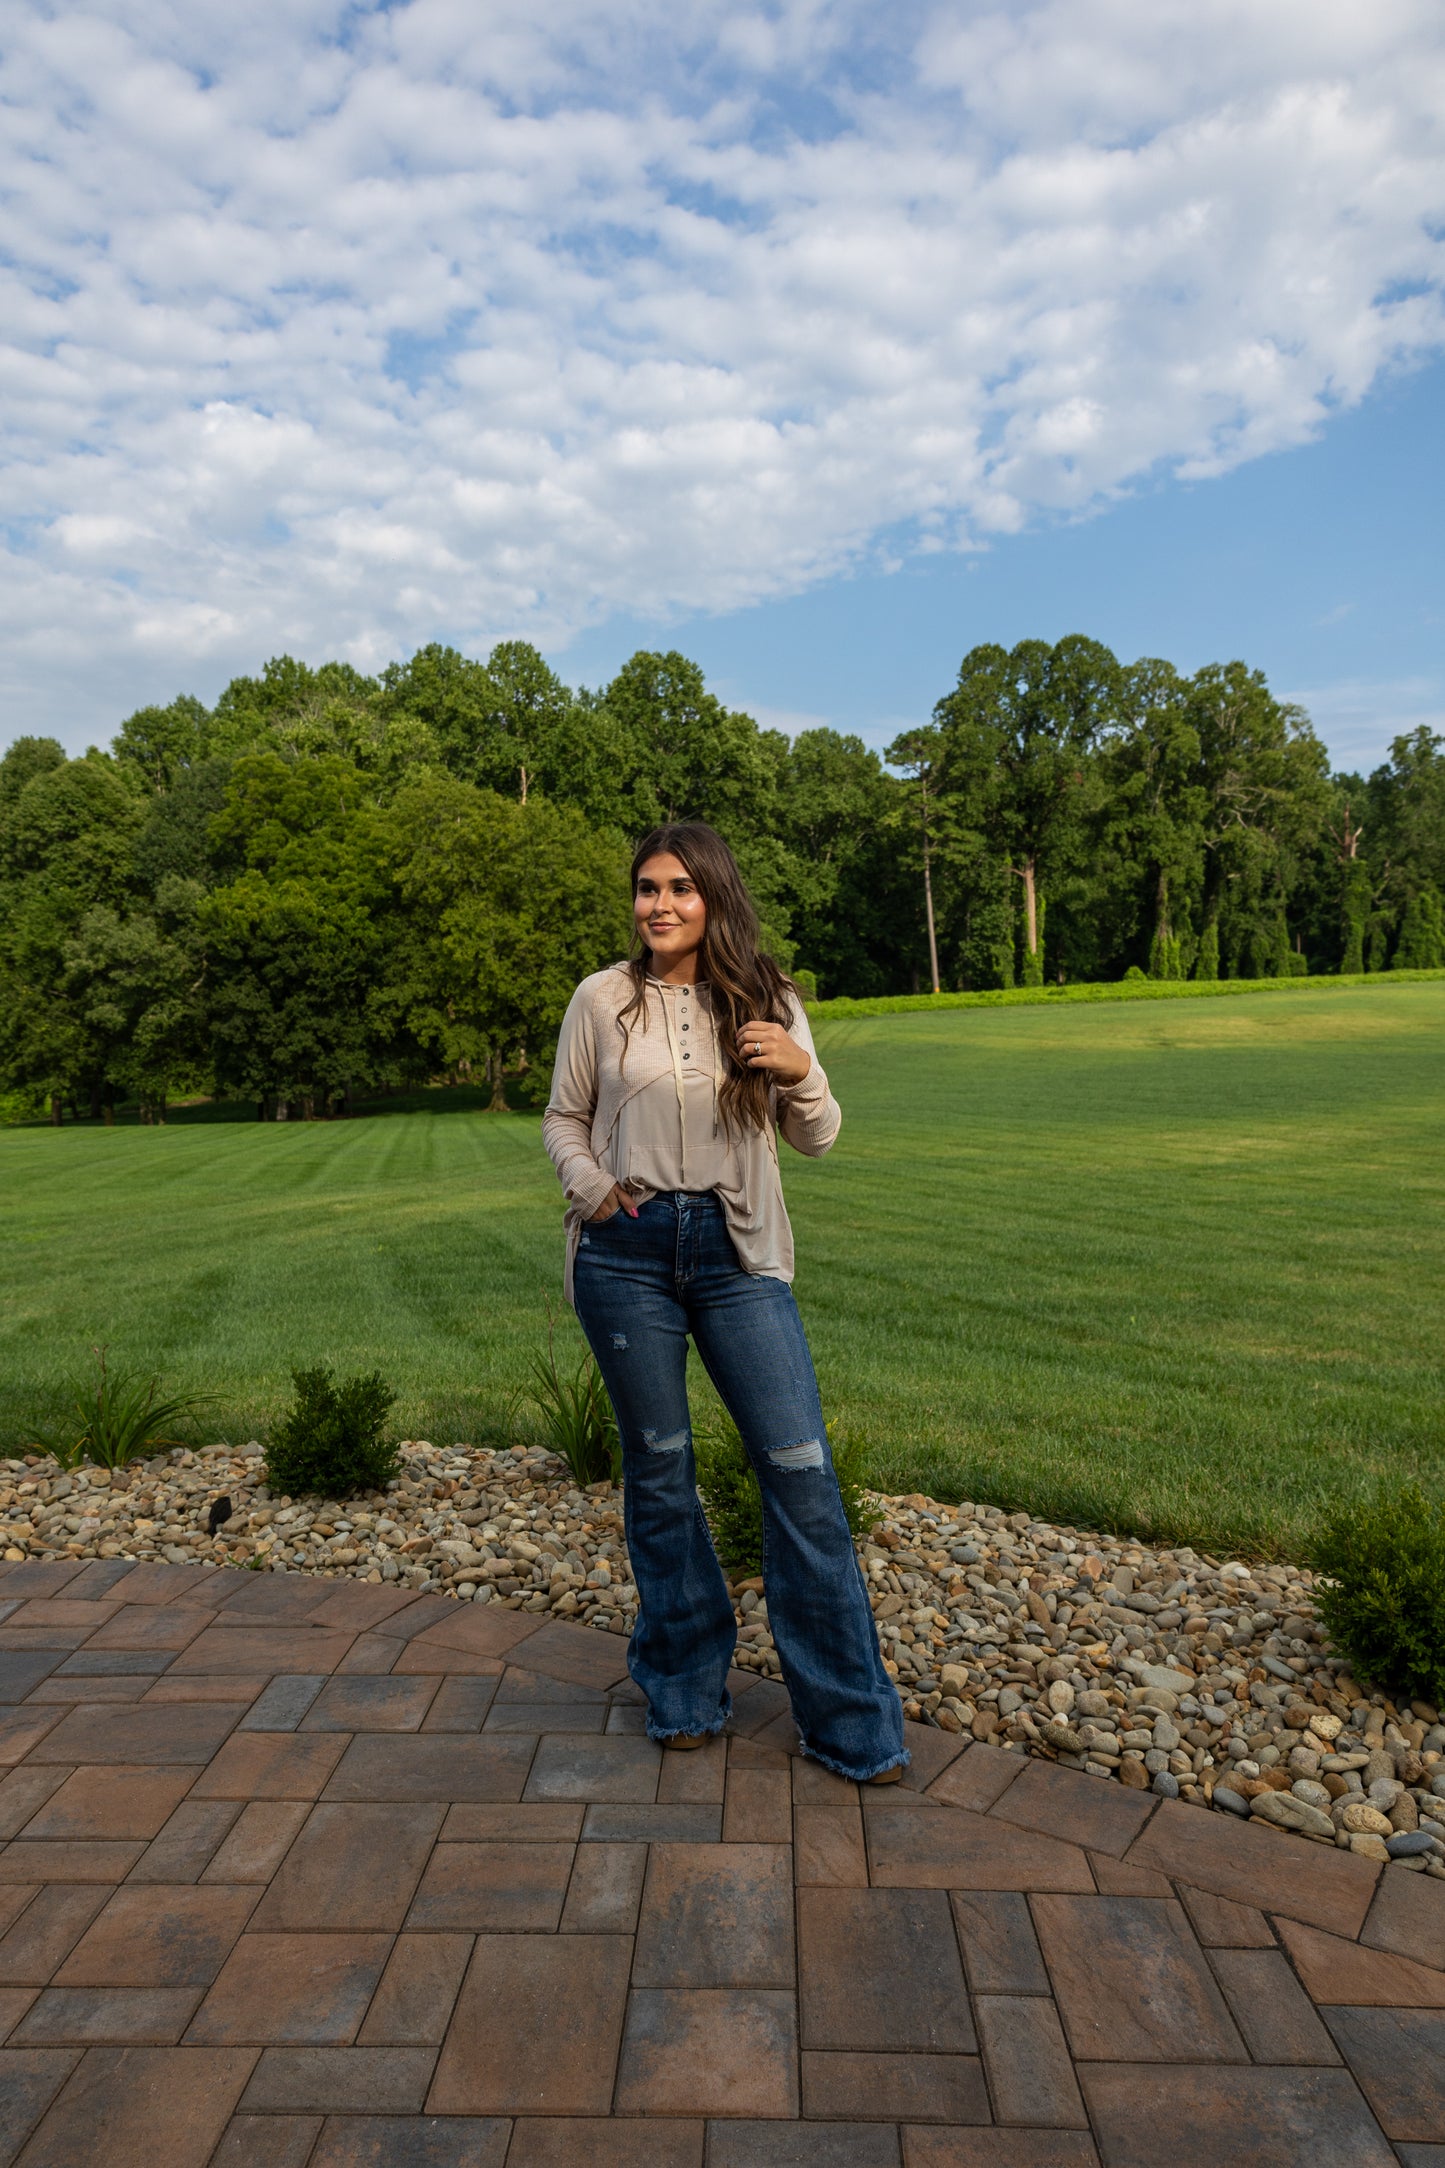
674,1444
807,1453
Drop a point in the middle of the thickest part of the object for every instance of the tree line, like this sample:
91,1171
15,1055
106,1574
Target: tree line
330,883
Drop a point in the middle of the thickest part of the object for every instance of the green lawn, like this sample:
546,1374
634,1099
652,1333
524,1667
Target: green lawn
1176,1267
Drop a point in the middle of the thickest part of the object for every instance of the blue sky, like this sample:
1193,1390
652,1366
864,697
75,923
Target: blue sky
819,340
1324,567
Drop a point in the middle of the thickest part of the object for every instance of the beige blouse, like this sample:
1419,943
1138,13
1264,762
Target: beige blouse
644,1113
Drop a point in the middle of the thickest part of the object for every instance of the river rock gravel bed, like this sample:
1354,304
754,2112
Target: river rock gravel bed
1165,1669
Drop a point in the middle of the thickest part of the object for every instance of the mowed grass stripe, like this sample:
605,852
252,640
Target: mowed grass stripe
226,1254
1174,1267
1181,1271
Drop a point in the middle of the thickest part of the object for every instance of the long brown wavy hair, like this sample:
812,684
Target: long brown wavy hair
744,985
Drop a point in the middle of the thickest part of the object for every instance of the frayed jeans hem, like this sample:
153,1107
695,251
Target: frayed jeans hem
690,1731
685,1731
902,1760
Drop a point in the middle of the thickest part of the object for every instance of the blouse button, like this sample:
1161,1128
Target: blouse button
687,1057
686,1027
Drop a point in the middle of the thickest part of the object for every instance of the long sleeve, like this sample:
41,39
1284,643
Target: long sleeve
808,1115
567,1123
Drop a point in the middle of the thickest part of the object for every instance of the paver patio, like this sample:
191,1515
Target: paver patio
303,1872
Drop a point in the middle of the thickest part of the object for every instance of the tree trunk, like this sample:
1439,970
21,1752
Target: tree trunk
928,882
308,1107
524,786
1033,971
283,1111
1031,906
928,910
57,1110
95,1098
497,1104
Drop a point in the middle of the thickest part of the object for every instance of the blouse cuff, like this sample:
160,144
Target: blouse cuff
809,1090
590,1193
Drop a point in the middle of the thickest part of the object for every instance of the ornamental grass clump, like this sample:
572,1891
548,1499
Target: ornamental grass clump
330,1443
576,1415
734,1503
1381,1595
122,1417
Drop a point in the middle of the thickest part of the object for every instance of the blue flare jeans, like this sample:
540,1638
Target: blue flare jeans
641,1286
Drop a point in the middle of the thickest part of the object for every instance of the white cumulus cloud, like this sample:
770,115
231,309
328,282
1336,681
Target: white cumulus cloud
336,328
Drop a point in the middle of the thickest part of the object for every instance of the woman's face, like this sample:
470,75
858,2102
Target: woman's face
671,915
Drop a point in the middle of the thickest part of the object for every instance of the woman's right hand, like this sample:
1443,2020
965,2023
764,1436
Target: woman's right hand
616,1200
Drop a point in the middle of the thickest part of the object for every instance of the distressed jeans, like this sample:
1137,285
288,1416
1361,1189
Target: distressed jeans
641,1286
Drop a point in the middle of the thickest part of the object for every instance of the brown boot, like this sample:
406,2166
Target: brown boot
887,1776
683,1742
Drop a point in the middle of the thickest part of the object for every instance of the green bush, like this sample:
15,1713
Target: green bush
1206,963
330,1443
25,1105
1382,1599
1422,934
734,1504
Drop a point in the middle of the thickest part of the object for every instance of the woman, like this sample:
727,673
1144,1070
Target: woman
674,1072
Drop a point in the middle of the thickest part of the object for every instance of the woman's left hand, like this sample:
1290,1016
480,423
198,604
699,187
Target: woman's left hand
767,1046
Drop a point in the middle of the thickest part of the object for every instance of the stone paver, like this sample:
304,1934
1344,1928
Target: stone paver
1398,2056
1132,1983
1030,2076
724,2050
716,1915
304,1874
159,1937
493,1889
1277,2118
879,1968
293,1990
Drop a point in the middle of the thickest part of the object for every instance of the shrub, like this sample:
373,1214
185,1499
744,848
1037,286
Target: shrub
1164,956
734,1503
122,1417
330,1443
577,1416
25,1105
1422,934
1382,1599
731,1499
